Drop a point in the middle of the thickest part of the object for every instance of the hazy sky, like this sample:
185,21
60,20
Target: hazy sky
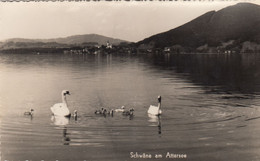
132,21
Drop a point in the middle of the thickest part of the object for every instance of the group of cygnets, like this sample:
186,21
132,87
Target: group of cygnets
125,112
61,109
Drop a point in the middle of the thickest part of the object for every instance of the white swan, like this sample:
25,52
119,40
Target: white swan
155,110
61,109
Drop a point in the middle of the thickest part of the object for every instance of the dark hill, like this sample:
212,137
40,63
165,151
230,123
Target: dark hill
239,23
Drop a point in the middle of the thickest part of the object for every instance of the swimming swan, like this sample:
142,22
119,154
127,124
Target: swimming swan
155,110
61,109
29,112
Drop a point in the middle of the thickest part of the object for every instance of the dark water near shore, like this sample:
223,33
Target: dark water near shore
210,103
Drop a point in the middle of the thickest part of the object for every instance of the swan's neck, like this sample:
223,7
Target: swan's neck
159,105
64,100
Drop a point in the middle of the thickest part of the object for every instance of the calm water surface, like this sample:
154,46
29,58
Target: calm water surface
210,103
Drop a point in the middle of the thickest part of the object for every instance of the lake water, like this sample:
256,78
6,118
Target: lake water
210,104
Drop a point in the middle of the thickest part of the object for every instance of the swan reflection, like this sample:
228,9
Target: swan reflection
66,139
60,120
155,121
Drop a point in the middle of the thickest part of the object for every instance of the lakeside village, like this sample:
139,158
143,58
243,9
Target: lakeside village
126,48
176,49
92,48
101,49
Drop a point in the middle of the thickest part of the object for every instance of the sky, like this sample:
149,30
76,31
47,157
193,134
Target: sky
132,21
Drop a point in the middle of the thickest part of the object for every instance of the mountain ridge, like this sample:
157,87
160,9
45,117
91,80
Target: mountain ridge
69,40
239,23
234,28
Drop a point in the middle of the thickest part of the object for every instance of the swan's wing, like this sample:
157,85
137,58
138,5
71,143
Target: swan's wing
153,110
60,109
56,106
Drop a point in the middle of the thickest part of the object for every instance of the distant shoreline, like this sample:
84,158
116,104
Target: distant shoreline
118,50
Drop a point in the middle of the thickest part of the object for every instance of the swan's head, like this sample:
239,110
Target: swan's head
31,110
64,92
159,99
123,107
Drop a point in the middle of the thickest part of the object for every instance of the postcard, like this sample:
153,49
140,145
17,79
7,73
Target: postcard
130,80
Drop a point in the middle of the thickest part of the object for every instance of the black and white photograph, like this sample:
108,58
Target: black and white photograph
175,80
